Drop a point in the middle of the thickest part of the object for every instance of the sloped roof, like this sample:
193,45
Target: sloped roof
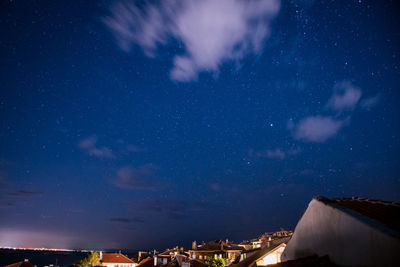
166,252
251,261
21,264
115,258
384,212
147,262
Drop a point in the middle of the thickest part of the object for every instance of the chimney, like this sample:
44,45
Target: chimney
101,255
194,245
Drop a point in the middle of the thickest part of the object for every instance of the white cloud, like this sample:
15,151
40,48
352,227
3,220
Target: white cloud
89,145
211,32
345,96
317,129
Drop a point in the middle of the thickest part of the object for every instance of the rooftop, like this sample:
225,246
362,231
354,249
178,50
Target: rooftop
147,262
218,245
251,261
383,212
115,258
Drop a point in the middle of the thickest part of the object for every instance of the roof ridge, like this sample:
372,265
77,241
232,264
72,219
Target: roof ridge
356,198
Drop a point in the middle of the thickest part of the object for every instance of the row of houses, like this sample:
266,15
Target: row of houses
331,232
265,249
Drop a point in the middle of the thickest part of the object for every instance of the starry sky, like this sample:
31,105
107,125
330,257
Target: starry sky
149,124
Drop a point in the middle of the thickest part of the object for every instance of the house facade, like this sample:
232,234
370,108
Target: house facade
269,253
215,249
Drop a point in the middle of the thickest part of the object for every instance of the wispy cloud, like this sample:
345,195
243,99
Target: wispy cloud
345,96
211,32
277,153
370,102
3,179
5,205
317,129
121,220
89,145
25,193
135,178
172,208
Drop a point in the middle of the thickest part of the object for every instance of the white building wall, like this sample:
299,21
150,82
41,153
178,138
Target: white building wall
324,230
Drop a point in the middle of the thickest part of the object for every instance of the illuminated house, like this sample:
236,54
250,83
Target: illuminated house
264,239
350,231
167,256
115,260
215,249
270,253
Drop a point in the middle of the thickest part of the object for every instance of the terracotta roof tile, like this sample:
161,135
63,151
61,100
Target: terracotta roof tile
115,258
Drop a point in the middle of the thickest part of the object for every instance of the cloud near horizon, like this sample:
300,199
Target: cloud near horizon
211,32
25,193
123,220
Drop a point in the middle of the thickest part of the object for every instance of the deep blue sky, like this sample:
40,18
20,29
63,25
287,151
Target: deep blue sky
140,124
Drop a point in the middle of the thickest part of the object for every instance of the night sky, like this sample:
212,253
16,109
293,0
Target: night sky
149,124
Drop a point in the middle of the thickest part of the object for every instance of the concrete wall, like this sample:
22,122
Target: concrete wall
324,230
272,257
